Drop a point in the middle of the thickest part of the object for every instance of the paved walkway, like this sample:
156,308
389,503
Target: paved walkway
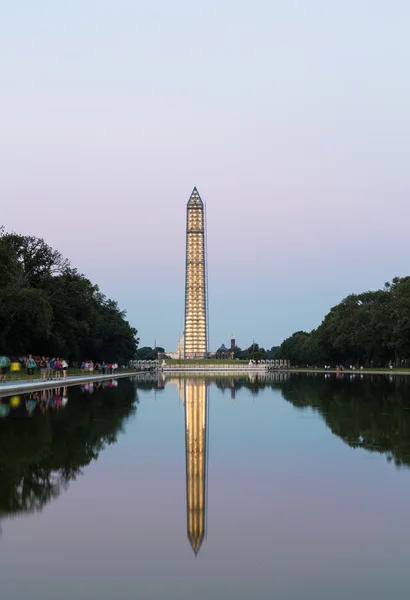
23,385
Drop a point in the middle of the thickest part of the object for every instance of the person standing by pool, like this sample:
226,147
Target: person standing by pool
57,368
50,372
91,367
64,366
4,368
43,368
31,365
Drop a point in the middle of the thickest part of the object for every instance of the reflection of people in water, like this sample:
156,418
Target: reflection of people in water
4,409
31,403
55,398
92,387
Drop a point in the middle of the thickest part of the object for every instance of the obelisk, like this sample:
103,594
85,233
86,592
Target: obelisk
196,331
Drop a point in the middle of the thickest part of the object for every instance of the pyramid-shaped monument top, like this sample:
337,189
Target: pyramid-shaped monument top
195,198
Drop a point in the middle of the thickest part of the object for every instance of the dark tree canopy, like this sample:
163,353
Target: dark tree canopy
148,353
370,329
47,307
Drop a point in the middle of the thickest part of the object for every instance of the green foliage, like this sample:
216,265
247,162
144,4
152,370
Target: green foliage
147,353
238,353
46,307
371,329
252,353
271,354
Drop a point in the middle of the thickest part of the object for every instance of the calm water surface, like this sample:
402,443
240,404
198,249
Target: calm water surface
288,487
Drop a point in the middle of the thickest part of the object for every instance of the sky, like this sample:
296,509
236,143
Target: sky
290,117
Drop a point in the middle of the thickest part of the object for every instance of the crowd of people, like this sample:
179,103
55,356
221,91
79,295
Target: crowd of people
51,369
88,367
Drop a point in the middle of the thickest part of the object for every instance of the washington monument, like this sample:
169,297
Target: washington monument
196,293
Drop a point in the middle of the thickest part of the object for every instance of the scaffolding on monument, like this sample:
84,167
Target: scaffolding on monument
196,280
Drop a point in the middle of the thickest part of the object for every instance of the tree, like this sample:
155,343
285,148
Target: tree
400,318
47,307
370,329
295,348
146,353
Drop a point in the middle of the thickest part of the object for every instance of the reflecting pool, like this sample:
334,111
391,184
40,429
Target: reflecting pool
277,486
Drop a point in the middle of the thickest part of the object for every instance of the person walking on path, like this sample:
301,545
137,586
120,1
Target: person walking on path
64,366
43,368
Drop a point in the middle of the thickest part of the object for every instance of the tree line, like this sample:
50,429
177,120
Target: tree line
48,308
254,352
371,329
371,412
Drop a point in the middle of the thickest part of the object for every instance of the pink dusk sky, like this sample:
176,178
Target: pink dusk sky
291,118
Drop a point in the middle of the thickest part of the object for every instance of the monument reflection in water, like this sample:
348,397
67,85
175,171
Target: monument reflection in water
195,394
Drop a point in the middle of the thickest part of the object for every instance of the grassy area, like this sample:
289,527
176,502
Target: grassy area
205,361
71,372
365,370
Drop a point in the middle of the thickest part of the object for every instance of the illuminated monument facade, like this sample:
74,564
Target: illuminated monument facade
196,293
196,448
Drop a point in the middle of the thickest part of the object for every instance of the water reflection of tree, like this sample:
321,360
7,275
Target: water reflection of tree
365,412
370,413
40,455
